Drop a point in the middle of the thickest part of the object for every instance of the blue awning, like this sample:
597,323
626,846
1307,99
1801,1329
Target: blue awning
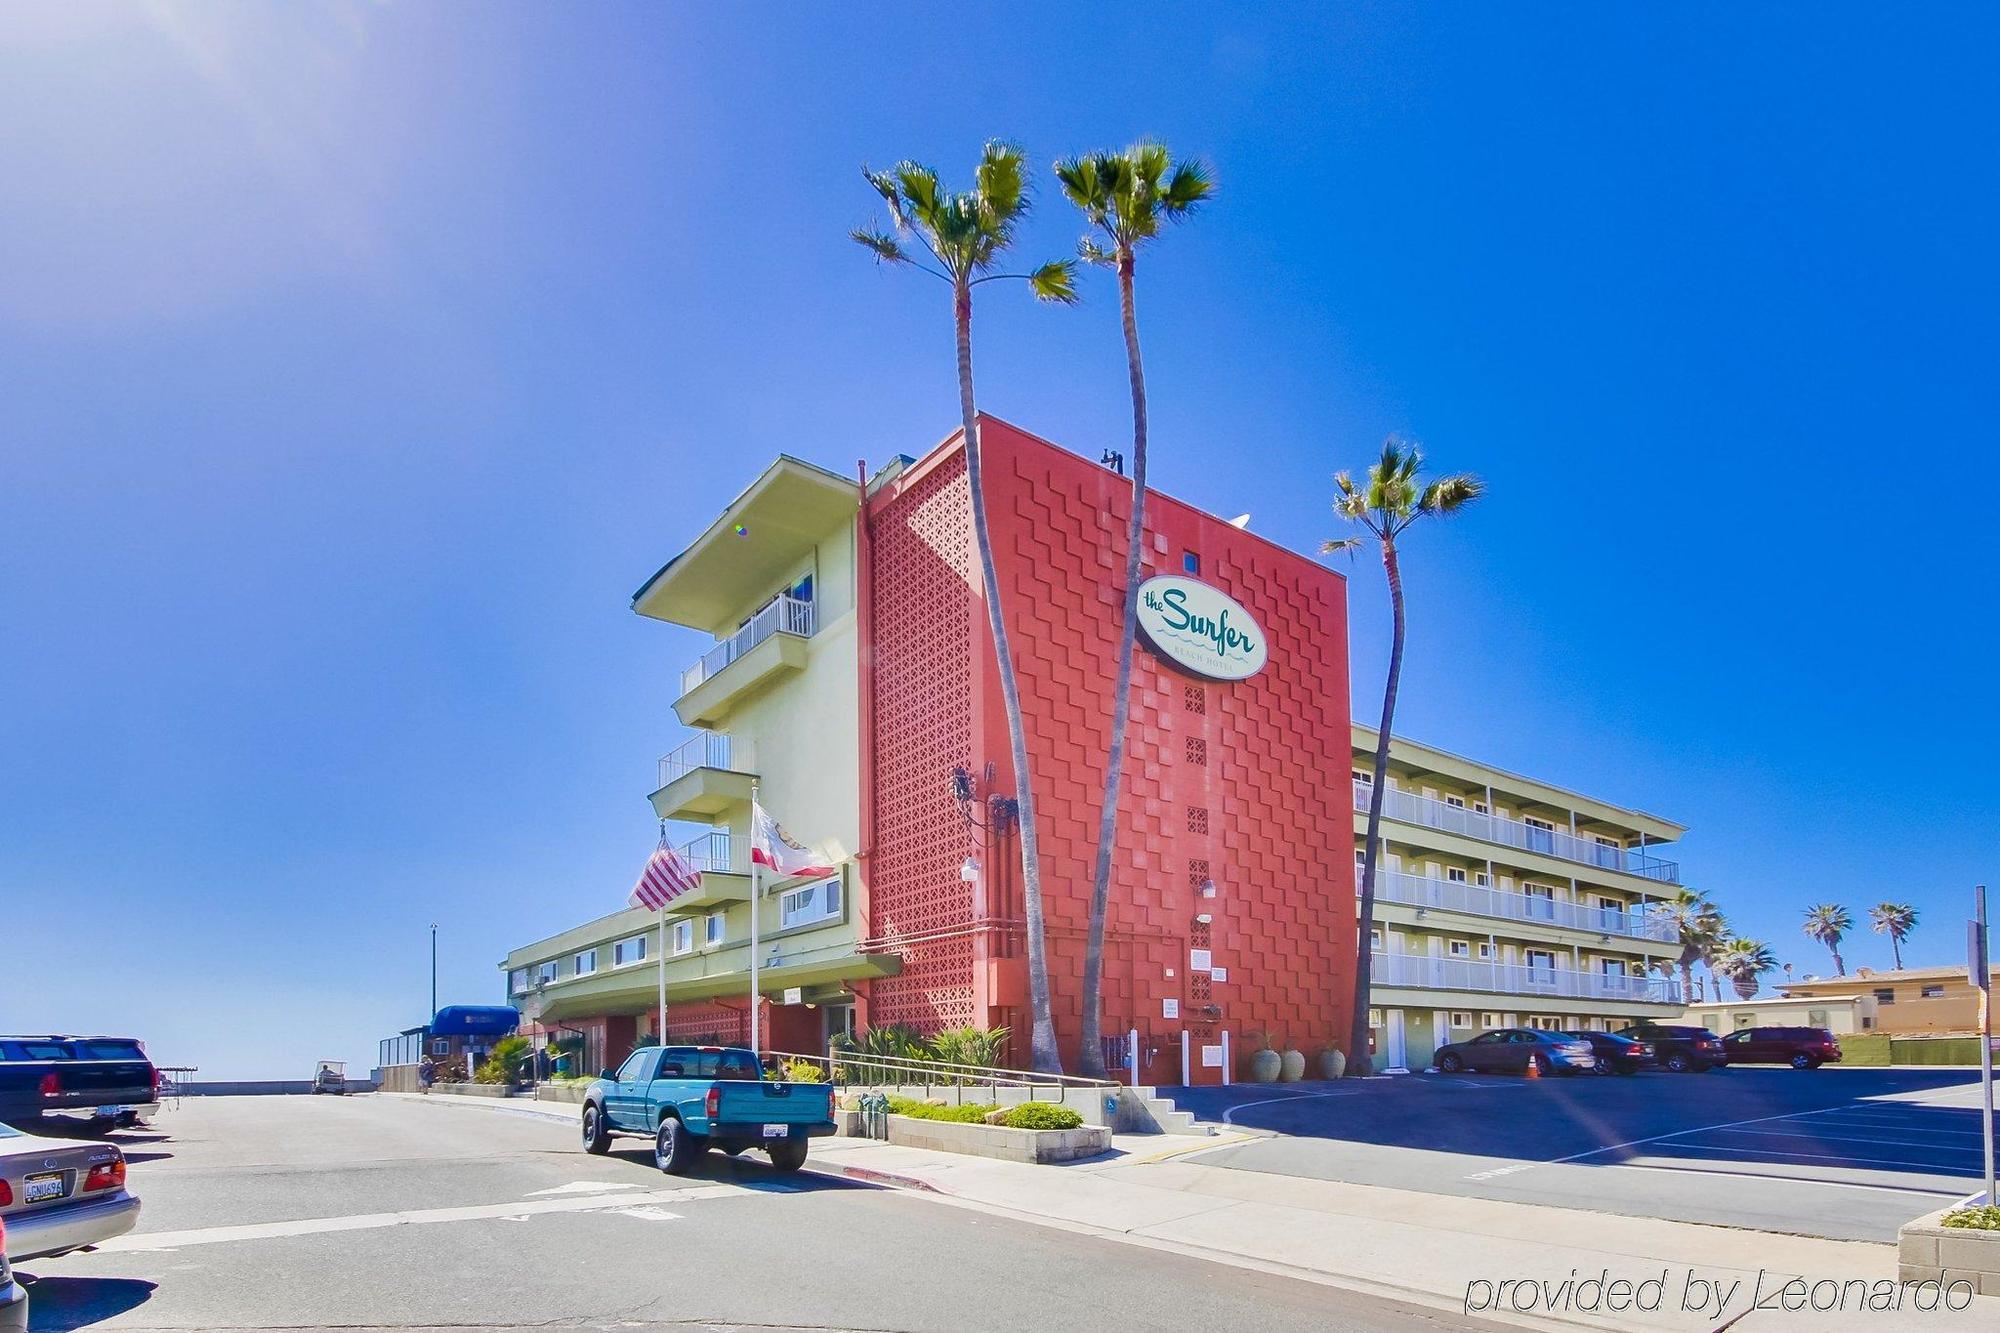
475,1020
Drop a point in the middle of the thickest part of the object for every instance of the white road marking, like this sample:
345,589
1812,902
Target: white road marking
1849,1138
1657,1138
647,1214
314,1226
585,1187
1501,1171
1229,1116
1932,1167
1688,1168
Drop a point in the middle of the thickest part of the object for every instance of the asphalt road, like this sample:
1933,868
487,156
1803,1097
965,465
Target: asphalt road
384,1213
1849,1154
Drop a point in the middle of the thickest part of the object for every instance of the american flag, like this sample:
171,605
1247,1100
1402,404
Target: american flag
666,877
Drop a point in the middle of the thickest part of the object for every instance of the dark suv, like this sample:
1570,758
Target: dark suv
1679,1048
1801,1048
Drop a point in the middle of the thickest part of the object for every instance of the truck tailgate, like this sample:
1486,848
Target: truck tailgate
765,1103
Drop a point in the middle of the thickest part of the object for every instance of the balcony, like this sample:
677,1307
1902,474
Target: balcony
697,781
1398,886
1412,808
1528,980
771,643
720,881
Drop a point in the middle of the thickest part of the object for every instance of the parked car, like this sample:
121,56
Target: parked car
105,1081
688,1099
1680,1048
1801,1048
58,1195
1515,1050
1618,1055
13,1296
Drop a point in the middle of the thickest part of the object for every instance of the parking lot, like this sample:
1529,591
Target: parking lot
1844,1153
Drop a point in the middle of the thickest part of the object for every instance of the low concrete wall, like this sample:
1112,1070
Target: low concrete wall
571,1093
398,1078
1086,1102
1927,1252
475,1089
999,1141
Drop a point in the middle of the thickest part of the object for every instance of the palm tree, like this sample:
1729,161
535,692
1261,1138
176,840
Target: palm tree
1743,961
1699,928
1827,923
1386,506
1125,198
964,235
1896,920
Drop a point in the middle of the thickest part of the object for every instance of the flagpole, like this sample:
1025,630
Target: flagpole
756,904
663,977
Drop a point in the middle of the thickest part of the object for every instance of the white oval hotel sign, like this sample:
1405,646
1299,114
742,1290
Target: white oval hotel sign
1200,629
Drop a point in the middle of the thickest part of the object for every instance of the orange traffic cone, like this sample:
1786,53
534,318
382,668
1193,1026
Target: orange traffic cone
1534,1067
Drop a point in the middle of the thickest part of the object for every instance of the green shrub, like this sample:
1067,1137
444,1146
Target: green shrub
979,1047
970,1113
803,1071
1983,1218
1041,1115
502,1061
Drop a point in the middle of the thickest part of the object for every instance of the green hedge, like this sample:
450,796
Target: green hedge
971,1113
1041,1115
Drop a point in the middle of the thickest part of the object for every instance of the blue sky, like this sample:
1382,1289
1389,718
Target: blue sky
357,361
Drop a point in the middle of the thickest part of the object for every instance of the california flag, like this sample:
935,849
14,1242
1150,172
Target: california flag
775,850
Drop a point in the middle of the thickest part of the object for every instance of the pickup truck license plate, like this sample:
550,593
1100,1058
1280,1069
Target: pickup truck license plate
777,1131
108,1111
47,1186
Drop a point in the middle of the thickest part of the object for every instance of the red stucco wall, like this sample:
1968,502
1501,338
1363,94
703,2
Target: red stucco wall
1240,782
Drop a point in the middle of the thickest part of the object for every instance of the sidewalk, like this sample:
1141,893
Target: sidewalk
1436,1250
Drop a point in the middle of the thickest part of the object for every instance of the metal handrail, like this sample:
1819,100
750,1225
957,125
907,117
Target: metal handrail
1400,886
899,1071
783,614
708,750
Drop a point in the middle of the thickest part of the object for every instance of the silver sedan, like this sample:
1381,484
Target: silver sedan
58,1195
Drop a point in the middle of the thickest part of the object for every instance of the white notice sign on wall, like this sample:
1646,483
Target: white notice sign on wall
1218,974
1197,960
1170,1007
1211,1057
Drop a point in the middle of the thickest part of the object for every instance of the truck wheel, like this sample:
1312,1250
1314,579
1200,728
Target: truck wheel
789,1155
1677,1063
674,1148
595,1139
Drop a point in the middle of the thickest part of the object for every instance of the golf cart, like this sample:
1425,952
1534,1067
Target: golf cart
331,1076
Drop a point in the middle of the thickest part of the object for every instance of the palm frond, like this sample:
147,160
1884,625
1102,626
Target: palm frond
1055,281
1191,184
1083,184
886,247
1335,545
1090,252
1447,494
1002,183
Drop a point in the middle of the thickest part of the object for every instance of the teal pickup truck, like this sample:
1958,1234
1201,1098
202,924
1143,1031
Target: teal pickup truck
688,1099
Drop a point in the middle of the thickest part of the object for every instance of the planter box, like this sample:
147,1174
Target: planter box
1927,1252
999,1141
474,1089
847,1124
570,1093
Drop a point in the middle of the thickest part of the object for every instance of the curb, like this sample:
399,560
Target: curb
868,1175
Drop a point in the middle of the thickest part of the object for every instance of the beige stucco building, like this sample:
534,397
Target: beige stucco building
1916,1001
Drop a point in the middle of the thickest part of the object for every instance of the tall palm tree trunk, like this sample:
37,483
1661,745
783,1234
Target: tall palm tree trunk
1687,981
1896,949
1044,1054
1121,691
1839,967
1358,1059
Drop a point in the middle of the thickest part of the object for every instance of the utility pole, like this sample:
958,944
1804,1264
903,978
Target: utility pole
1980,964
434,973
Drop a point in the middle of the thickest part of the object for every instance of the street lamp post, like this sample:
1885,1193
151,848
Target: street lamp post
434,972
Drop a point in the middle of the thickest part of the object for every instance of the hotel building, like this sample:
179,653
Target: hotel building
852,677
1503,901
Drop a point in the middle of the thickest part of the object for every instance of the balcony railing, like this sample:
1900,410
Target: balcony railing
708,852
1399,886
781,615
1422,972
708,750
1412,808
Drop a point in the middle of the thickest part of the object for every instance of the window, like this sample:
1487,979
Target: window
713,932
1374,1018
1461,1019
1365,776
1929,993
635,1066
584,963
517,980
1541,901
683,936
1458,948
813,903
1541,834
1816,1017
1454,874
629,951
1479,807
1867,1023
1490,1038
1375,940
1489,1020
1486,950
1456,802
1481,878
1190,562
545,972
1885,995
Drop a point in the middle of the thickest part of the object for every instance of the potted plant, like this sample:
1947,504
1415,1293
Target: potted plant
1291,1064
1266,1064
1332,1063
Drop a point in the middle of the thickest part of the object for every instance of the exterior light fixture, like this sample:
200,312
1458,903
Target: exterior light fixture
1208,888
969,872
1204,918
